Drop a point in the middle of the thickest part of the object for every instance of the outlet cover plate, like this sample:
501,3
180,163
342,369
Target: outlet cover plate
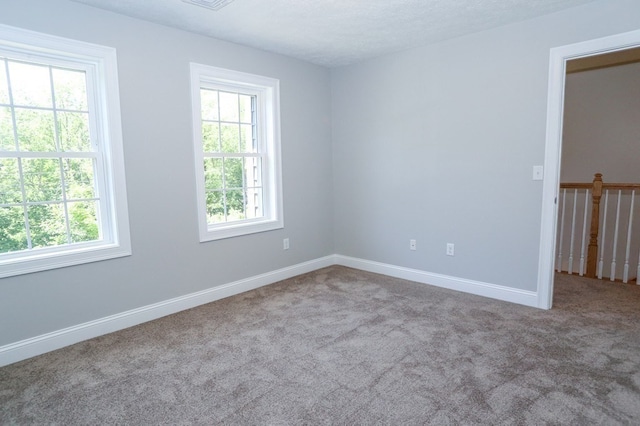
450,249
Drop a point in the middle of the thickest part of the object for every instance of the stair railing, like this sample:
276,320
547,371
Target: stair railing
602,248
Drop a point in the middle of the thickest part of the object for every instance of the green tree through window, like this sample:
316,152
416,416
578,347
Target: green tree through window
48,191
232,162
236,128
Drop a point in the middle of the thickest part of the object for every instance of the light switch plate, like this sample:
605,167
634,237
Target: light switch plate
538,172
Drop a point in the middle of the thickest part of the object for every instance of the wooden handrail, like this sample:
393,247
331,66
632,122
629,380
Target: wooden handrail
576,185
596,187
621,186
586,185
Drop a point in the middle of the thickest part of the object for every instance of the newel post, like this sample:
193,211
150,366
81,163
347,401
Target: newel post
592,253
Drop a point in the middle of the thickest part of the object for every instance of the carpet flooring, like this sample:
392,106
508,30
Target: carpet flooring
341,346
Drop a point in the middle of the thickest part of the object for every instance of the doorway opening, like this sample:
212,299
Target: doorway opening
594,53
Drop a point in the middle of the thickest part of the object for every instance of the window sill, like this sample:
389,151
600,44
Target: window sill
219,232
45,260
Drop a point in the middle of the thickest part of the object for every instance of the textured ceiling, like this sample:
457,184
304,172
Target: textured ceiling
336,32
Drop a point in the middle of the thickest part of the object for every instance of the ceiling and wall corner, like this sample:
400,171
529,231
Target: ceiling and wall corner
336,33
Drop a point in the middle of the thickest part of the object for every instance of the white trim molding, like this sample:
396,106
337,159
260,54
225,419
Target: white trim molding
38,345
553,147
266,133
479,288
100,68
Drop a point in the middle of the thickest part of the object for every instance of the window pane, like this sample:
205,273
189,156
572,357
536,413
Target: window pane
13,234
246,138
244,202
35,130
70,88
73,128
229,107
209,102
215,207
61,167
230,138
210,137
47,225
42,179
235,205
4,88
213,173
245,109
83,221
233,173
30,85
7,142
253,171
254,203
10,191
79,178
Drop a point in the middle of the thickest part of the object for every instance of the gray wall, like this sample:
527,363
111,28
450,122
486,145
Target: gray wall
601,131
437,143
168,261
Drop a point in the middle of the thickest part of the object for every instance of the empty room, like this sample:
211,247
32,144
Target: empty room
333,212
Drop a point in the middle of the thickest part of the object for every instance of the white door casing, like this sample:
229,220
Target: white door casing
553,146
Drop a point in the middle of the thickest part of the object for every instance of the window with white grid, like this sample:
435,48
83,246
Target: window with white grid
61,171
236,129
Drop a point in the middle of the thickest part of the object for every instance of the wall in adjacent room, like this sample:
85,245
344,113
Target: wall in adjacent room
601,129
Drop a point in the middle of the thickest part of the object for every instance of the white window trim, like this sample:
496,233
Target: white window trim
116,241
268,98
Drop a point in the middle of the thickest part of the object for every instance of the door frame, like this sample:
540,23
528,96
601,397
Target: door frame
553,146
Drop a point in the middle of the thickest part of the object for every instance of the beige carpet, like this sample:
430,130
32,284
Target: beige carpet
340,346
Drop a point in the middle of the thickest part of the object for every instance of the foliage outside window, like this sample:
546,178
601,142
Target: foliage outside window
60,154
236,131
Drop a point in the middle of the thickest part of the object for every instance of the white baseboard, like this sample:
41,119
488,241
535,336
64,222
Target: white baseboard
38,345
522,297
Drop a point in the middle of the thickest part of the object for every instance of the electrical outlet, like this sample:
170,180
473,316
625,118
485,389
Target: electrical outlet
285,244
450,249
412,244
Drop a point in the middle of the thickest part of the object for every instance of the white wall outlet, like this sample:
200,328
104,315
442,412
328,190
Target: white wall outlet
538,172
412,244
450,249
285,244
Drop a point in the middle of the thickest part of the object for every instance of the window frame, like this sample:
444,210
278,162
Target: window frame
100,65
267,92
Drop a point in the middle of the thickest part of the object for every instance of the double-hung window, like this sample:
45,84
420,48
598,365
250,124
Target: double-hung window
62,194
237,152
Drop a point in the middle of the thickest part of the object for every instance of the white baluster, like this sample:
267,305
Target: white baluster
584,233
604,229
638,272
564,199
625,274
615,239
573,231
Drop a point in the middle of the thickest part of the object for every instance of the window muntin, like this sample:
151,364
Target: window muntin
48,164
62,195
236,129
232,160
